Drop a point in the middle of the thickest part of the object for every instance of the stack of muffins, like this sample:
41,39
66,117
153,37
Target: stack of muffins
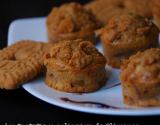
129,42
73,64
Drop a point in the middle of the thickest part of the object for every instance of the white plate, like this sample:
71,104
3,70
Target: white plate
34,29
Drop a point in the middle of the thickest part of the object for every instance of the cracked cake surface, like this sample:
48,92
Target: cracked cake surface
125,35
71,21
140,78
75,66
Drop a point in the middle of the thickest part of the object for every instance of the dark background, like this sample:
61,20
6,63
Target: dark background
18,106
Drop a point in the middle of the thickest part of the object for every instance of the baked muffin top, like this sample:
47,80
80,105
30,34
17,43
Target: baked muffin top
129,29
142,68
71,17
74,54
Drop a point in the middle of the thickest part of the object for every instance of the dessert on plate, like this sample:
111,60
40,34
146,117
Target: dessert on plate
140,78
75,66
71,21
21,62
125,35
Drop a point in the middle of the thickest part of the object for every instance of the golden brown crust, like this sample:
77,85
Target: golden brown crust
75,66
14,75
156,12
125,35
140,78
71,21
21,62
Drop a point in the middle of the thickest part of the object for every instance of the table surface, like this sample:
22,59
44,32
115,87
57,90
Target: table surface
19,107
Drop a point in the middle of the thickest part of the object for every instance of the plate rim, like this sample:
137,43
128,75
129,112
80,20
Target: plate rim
80,109
100,111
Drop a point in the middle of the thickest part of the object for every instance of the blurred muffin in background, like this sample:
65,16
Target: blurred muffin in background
71,21
125,35
156,12
106,9
141,7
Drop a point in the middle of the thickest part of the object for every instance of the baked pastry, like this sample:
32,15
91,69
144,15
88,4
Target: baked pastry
125,35
156,12
106,9
140,78
75,66
20,62
71,21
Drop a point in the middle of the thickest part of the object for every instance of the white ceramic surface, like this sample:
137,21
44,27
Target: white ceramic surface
34,29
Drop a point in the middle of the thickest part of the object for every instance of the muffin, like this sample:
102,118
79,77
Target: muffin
141,7
75,66
125,35
71,21
140,78
156,12
105,9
